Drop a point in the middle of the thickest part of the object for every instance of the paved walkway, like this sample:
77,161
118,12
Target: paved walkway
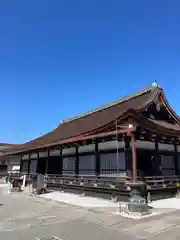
27,217
97,204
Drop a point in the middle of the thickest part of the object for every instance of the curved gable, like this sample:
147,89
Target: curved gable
160,110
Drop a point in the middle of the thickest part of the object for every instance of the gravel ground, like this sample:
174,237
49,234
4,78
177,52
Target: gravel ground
32,218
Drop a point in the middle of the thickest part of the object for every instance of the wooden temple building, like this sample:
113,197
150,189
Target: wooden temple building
7,161
136,138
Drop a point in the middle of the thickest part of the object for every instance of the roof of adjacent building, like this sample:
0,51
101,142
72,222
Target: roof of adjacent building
100,117
7,144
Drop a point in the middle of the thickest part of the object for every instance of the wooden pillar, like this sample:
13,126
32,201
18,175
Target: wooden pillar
21,164
29,163
128,155
157,160
77,162
176,159
37,165
156,148
97,156
134,160
61,161
47,162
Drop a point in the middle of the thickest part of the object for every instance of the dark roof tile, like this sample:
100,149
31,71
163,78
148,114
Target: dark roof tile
96,118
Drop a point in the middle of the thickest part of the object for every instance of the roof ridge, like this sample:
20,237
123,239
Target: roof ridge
105,106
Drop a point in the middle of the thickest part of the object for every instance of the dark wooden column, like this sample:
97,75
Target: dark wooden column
61,161
21,163
97,156
47,162
37,165
77,162
29,163
128,155
157,160
134,160
176,159
156,148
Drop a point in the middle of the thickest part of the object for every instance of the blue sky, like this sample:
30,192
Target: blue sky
60,58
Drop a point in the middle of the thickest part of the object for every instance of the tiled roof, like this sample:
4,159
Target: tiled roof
95,119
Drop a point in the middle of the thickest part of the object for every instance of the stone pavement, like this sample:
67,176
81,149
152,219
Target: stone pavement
32,218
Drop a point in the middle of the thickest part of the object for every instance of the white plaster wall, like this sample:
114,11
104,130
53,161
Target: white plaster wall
54,153
33,156
43,154
166,147
25,157
145,145
66,151
111,145
86,148
151,146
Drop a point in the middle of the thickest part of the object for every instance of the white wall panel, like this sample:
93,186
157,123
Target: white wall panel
145,145
25,157
54,153
166,147
151,146
34,156
43,154
86,148
66,151
111,145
